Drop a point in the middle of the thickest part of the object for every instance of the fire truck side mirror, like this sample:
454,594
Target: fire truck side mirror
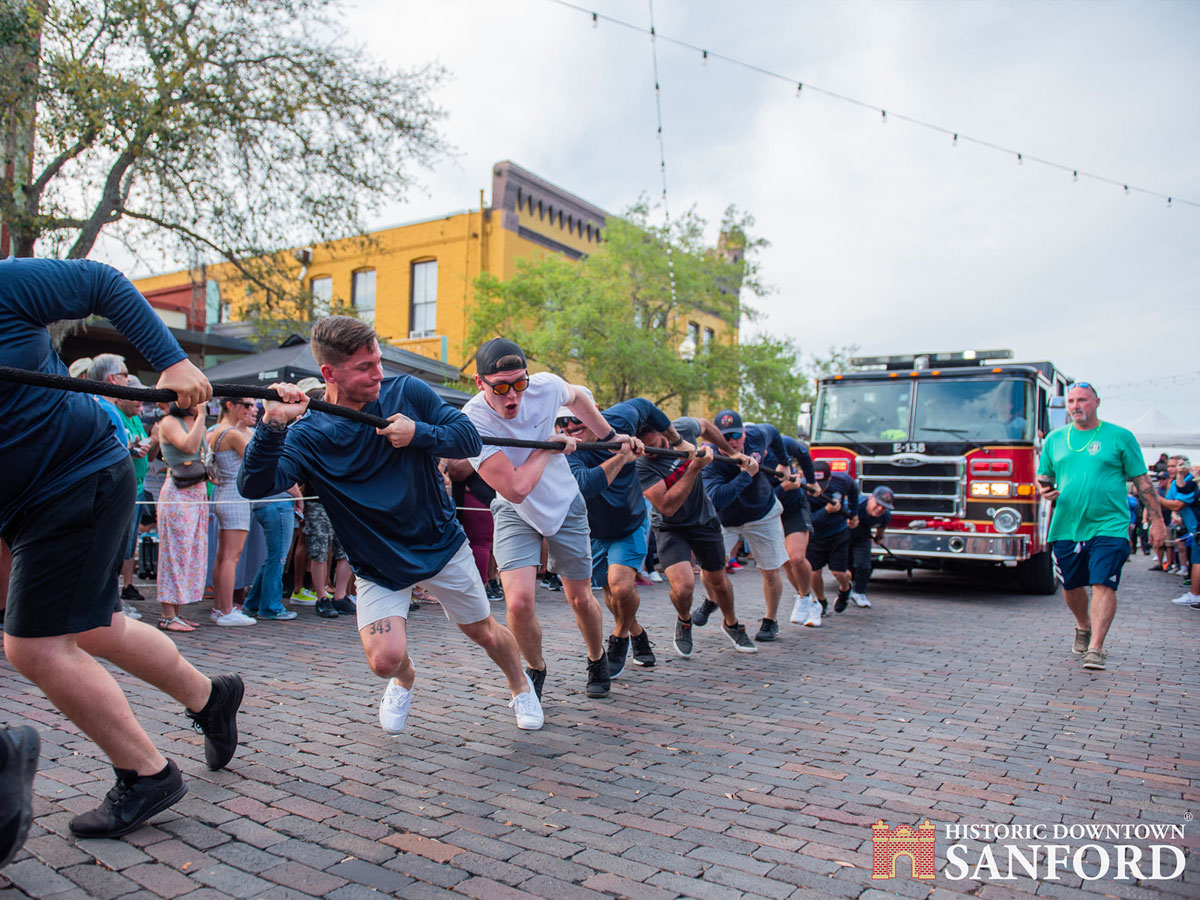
804,421
1058,412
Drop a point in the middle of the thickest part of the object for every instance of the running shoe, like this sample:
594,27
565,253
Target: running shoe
767,631
598,680
642,654
394,707
618,649
683,638
528,708
701,613
741,640
800,609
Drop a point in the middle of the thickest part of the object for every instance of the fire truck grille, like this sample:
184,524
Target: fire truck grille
928,488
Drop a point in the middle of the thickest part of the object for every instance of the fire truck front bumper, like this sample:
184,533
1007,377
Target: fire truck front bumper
936,544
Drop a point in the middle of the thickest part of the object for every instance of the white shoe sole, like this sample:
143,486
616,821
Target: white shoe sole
687,655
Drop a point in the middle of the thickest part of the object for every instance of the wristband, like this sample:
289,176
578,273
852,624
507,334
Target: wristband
677,443
612,433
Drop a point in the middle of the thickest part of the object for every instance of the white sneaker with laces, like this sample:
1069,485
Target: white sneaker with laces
655,576
131,613
528,708
800,609
234,619
814,615
1187,599
860,600
394,707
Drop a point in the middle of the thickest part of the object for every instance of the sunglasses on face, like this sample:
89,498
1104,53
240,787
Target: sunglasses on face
503,387
245,404
564,421
733,436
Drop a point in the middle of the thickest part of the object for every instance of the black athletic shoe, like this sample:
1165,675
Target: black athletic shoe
618,649
552,582
824,606
218,720
494,590
20,756
598,680
683,638
702,612
344,606
767,630
642,654
132,800
130,592
538,677
843,599
325,609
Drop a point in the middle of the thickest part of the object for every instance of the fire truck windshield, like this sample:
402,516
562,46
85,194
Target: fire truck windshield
863,411
974,410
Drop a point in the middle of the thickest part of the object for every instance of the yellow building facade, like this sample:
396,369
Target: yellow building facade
415,282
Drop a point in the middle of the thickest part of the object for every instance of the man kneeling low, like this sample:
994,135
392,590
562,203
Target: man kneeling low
387,501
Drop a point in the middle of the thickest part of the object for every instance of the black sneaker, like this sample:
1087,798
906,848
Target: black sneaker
552,582
702,612
494,590
824,606
344,606
21,745
683,638
767,630
325,609
843,598
642,654
538,677
598,681
130,592
132,800
741,641
618,649
218,720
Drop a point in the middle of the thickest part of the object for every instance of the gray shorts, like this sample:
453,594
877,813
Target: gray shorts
457,588
517,544
764,537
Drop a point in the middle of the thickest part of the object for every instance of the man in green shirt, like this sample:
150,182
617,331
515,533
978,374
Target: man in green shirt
1084,467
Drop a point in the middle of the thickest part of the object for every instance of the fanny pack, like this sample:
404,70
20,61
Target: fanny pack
188,473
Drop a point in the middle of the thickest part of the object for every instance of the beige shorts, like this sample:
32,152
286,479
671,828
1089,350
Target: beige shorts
457,587
764,538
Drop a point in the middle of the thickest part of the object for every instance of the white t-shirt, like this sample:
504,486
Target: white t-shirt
550,500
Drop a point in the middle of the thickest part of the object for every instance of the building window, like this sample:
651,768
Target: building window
708,337
322,295
423,315
362,295
694,334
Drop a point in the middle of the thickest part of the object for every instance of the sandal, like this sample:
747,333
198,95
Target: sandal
174,624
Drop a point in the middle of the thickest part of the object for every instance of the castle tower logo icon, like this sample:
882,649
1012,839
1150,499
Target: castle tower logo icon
888,844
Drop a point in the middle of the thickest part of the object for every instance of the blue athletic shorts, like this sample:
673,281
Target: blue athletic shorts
626,551
1095,561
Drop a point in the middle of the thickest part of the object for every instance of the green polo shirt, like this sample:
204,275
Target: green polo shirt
1091,469
137,430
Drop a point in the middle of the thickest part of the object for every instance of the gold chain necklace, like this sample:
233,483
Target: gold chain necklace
1085,443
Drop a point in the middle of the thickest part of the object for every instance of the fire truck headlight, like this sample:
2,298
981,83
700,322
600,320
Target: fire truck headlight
1006,520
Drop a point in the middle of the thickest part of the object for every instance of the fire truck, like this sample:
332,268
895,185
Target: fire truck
956,436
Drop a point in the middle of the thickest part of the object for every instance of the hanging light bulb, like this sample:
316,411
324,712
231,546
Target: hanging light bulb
595,20
1168,203
1075,175
1126,188
799,89
704,57
955,141
883,114
1020,160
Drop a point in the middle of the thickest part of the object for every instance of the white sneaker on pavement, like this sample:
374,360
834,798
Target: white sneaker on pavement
394,707
1187,599
234,619
814,615
132,613
528,708
800,609
860,600
655,576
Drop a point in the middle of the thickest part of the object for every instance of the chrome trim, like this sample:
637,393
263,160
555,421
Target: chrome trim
956,502
936,543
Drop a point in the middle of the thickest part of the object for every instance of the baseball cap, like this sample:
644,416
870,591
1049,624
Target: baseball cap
884,497
821,469
728,421
310,384
79,368
488,356
134,381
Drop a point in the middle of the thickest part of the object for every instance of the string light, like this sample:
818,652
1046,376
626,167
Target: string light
662,152
706,54
799,89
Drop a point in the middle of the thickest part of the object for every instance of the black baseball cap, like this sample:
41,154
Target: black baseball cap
729,422
884,497
491,352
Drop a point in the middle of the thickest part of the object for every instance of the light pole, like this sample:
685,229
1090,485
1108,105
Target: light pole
687,352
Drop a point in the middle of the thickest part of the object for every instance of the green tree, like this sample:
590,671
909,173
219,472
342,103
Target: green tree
615,321
203,129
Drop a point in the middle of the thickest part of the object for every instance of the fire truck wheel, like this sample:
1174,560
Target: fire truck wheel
1036,575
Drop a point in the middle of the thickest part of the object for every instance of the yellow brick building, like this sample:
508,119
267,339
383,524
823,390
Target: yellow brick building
415,282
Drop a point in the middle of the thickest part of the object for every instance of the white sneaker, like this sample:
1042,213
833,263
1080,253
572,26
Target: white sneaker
529,708
655,576
1187,599
234,619
860,600
814,614
394,707
131,613
800,609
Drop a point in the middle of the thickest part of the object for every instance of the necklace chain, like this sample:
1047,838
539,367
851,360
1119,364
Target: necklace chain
1085,443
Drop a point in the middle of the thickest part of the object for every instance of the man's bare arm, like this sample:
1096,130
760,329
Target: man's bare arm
1158,528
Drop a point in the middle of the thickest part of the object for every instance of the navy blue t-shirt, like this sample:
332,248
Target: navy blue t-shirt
738,498
616,510
797,452
825,523
388,505
868,523
51,440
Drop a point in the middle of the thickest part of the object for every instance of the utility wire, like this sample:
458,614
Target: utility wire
885,114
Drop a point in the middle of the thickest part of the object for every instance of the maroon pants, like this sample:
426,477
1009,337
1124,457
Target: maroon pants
478,526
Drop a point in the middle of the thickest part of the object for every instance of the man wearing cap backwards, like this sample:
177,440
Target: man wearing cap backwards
834,517
685,523
874,514
537,498
617,517
745,500
386,500
1084,467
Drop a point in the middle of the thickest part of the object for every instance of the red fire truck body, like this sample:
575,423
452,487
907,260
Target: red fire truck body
956,436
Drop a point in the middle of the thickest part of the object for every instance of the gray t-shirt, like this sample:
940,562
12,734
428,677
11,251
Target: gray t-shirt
697,509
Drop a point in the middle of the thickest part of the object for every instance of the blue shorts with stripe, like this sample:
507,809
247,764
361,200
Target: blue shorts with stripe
1098,560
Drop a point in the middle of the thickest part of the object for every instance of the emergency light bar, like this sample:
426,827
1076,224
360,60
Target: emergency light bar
926,360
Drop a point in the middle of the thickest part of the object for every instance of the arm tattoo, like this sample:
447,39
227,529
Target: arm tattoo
1148,494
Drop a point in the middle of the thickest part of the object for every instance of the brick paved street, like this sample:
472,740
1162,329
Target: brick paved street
722,776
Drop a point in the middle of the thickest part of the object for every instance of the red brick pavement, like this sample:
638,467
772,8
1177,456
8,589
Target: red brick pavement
722,776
